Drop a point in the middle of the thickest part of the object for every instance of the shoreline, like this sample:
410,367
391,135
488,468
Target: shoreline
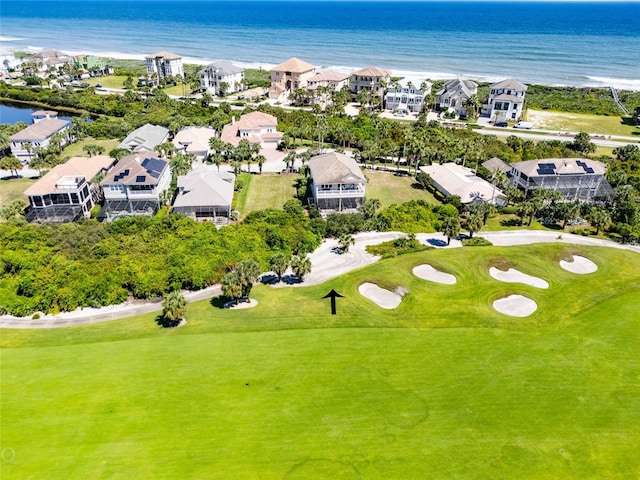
415,76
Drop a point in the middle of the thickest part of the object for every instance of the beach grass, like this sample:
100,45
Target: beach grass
390,188
441,387
13,189
76,149
580,122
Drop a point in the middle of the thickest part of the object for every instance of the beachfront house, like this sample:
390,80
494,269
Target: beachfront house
374,79
205,194
576,178
146,137
50,61
164,64
338,184
289,76
453,179
194,140
93,65
454,95
406,98
506,101
329,78
45,125
256,127
8,61
221,78
68,191
135,185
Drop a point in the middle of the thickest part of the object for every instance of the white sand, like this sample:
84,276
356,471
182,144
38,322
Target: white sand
515,306
427,272
242,304
515,276
580,265
381,297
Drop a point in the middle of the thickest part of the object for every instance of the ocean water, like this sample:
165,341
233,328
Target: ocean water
572,43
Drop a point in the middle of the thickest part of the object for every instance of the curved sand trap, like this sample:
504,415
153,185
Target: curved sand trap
241,304
427,272
381,297
515,306
516,276
580,265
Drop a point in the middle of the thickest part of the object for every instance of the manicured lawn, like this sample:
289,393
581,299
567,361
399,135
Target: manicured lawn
13,188
110,81
75,149
575,122
178,90
441,387
268,190
390,188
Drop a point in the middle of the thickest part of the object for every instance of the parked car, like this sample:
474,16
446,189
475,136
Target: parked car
501,124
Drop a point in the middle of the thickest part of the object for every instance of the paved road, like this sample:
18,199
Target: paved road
601,140
327,264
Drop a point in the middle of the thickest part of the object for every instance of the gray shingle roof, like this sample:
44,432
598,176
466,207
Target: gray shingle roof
335,168
204,186
147,137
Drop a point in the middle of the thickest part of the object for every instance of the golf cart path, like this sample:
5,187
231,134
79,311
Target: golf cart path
326,264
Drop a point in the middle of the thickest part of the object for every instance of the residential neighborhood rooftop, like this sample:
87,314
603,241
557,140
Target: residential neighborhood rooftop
335,168
509,84
372,72
146,137
560,166
167,55
457,180
294,65
87,167
204,186
138,169
39,130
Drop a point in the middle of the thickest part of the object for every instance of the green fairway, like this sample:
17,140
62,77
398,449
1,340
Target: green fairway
441,387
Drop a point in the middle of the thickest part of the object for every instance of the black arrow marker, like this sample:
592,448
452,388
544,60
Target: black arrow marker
333,295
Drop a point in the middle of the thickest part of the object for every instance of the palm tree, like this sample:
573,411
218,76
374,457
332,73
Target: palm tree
345,241
474,224
216,159
260,159
450,228
279,264
300,266
118,153
370,207
12,164
242,152
525,209
599,218
28,146
248,273
166,149
174,307
231,285
181,164
472,105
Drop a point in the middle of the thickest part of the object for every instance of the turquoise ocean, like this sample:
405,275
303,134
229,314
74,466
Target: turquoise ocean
559,43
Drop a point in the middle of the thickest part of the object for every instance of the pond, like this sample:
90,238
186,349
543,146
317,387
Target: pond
21,113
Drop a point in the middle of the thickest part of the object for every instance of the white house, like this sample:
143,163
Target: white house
134,186
8,61
205,194
406,98
369,78
329,78
219,74
146,137
506,101
194,140
453,179
164,64
66,192
338,183
256,127
48,60
454,95
46,125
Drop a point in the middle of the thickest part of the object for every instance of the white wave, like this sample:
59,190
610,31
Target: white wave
619,83
10,39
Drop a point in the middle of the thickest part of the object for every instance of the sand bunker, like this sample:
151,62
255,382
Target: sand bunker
580,265
515,276
427,272
515,306
241,304
381,297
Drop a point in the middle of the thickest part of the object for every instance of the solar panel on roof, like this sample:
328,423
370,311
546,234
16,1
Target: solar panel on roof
589,169
140,178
